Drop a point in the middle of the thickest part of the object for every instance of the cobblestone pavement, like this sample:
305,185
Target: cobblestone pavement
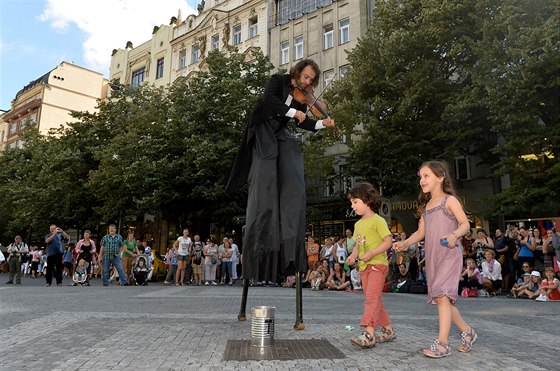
161,327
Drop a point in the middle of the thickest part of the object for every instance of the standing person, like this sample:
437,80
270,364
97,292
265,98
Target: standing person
197,263
349,242
129,252
183,246
17,250
110,253
210,262
373,239
171,259
525,253
54,254
234,259
35,257
442,223
68,261
225,254
271,162
85,249
312,251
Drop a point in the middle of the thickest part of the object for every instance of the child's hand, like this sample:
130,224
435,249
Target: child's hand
399,246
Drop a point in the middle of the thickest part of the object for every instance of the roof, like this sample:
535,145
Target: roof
42,79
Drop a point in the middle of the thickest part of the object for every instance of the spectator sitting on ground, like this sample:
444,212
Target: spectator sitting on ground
549,290
337,278
519,287
531,290
318,278
491,273
148,253
402,279
471,277
355,278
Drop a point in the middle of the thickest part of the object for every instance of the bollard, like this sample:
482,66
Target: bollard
262,326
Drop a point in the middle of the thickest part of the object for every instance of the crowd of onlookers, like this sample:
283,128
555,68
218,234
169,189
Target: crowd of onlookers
521,263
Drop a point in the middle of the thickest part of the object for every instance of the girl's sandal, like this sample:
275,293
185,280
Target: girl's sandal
435,350
386,335
365,340
467,340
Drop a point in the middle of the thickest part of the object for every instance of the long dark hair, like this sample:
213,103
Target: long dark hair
441,169
295,71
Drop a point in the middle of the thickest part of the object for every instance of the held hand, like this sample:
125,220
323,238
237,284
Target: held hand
328,122
300,116
398,246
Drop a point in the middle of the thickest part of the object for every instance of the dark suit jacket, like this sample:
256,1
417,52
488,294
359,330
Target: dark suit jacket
271,106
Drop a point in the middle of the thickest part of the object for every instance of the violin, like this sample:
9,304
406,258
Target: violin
305,96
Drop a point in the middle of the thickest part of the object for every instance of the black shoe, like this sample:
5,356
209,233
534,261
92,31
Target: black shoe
126,284
10,283
18,283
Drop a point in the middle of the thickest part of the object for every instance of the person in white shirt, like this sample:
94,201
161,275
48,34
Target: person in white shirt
491,272
183,246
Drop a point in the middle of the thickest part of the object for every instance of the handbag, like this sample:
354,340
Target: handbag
213,260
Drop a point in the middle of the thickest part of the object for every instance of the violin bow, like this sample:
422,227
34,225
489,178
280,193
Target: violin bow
325,88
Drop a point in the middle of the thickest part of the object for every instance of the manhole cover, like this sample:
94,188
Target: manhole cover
241,350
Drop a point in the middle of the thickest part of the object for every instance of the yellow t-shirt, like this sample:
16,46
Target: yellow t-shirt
373,229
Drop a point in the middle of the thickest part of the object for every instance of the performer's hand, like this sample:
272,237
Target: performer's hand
328,122
300,116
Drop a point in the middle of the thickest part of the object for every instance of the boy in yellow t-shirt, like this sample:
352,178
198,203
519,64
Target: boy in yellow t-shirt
373,239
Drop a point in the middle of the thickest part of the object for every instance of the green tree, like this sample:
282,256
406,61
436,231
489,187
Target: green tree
518,78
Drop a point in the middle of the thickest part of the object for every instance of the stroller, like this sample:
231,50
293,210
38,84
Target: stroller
81,274
140,270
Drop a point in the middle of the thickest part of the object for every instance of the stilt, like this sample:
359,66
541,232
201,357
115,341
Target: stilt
299,325
241,316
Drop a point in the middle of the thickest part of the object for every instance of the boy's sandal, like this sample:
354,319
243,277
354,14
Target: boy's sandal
467,340
365,340
434,351
386,335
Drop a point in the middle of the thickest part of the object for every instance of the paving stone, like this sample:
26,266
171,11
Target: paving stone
158,327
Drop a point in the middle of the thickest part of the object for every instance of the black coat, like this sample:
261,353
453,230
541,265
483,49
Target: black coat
272,105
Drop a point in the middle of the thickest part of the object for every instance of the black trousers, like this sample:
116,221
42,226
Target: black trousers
274,239
54,266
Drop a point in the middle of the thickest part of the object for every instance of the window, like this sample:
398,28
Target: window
182,58
2,137
327,77
22,124
215,42
253,27
342,71
328,37
33,118
159,70
462,168
284,52
298,47
19,143
13,128
236,35
195,53
12,145
344,27
138,76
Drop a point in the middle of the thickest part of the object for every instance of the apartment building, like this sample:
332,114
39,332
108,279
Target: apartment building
179,49
48,101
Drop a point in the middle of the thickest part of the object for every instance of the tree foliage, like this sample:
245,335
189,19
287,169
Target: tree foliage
147,150
436,79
